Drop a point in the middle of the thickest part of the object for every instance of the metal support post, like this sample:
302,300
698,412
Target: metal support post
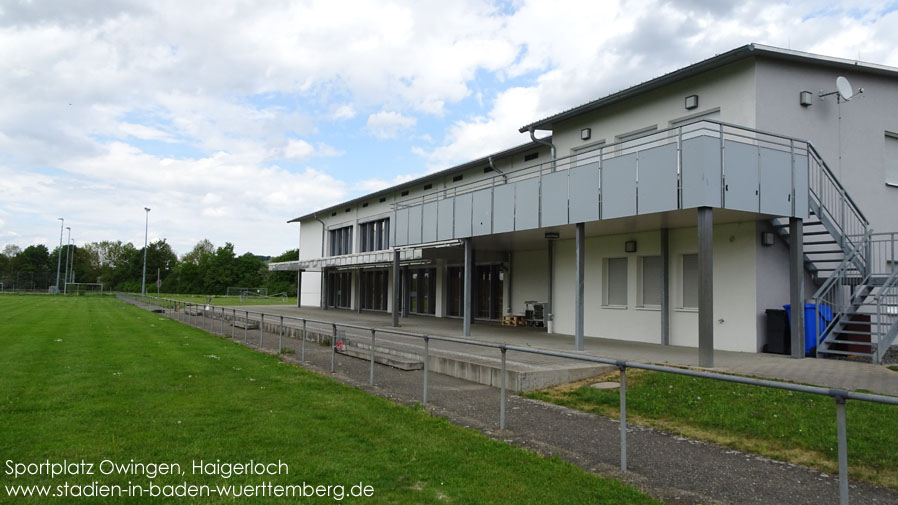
469,281
796,286
233,322
333,347
623,418
222,321
580,262
299,289
302,346
550,288
371,374
245,327
281,336
705,287
843,450
426,366
665,287
396,288
261,329
502,390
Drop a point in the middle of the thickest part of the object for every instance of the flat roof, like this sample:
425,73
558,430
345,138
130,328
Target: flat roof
740,53
420,180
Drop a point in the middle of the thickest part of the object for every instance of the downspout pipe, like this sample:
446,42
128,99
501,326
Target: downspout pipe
545,143
495,169
323,229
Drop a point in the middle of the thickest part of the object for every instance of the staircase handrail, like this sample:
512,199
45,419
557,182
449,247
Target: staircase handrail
832,179
886,335
840,271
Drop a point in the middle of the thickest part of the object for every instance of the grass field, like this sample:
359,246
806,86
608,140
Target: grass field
95,379
795,427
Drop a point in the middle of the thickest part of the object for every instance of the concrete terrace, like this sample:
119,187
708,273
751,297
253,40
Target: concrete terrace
531,371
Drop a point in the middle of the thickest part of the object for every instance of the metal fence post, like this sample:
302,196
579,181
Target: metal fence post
233,322
281,337
371,374
842,437
245,326
261,329
623,418
502,393
426,367
302,346
333,346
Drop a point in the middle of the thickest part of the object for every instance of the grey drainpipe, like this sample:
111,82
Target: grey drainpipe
493,166
323,286
323,227
545,143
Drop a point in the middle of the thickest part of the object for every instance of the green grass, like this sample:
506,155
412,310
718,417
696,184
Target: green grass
94,379
221,300
893,368
796,427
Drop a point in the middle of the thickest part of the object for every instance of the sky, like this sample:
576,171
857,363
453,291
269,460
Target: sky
228,118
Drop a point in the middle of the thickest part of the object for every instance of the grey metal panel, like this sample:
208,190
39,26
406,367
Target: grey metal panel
526,210
429,222
414,225
463,204
619,187
446,216
503,208
801,186
584,190
741,174
658,179
483,212
401,227
553,198
776,182
700,173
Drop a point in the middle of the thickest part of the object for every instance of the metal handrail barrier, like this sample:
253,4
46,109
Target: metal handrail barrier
839,395
886,322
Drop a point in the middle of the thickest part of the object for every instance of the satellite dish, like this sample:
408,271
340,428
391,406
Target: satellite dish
844,88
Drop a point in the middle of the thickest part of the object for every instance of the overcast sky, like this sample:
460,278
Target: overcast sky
228,118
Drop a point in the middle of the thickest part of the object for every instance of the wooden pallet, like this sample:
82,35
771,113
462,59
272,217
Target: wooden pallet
513,320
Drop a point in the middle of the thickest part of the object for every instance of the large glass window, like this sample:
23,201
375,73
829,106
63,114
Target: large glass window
422,290
616,282
690,281
373,289
375,235
650,281
890,159
339,290
487,295
340,241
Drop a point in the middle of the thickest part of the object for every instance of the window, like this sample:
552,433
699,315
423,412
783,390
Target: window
428,186
339,289
584,155
487,170
404,193
458,178
531,156
383,199
341,241
689,281
374,235
650,281
890,159
373,289
422,290
616,282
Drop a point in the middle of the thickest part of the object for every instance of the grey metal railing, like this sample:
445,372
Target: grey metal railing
182,312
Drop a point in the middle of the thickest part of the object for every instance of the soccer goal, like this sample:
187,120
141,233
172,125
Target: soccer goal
84,288
244,293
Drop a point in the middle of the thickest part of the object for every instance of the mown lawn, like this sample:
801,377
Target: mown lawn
795,427
221,300
95,379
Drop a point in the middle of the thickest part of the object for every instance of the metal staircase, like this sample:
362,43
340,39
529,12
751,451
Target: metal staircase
856,300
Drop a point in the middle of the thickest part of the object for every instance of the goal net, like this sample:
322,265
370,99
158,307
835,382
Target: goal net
244,293
83,288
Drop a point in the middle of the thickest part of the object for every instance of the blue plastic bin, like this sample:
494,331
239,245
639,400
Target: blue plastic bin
810,309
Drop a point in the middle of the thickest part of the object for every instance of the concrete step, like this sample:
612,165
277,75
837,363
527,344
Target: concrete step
383,358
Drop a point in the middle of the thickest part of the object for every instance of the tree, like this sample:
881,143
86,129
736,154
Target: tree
201,249
11,250
35,258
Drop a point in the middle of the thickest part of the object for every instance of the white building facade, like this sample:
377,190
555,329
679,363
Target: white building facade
664,213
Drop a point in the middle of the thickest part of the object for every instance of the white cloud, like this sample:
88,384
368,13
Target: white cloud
388,124
344,111
298,149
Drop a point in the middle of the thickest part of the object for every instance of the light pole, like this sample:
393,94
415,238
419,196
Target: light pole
59,254
72,247
65,286
143,284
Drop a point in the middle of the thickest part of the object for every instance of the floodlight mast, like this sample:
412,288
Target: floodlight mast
143,284
64,290
59,254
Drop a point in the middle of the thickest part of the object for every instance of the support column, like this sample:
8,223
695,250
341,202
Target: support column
580,248
665,287
796,285
358,291
705,287
550,248
469,281
406,282
397,290
299,289
324,289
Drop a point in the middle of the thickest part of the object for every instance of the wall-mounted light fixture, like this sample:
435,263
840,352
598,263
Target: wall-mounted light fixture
805,98
691,102
630,246
767,238
552,235
585,133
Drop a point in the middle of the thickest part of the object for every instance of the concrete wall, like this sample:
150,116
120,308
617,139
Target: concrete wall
729,89
852,146
734,288
529,278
